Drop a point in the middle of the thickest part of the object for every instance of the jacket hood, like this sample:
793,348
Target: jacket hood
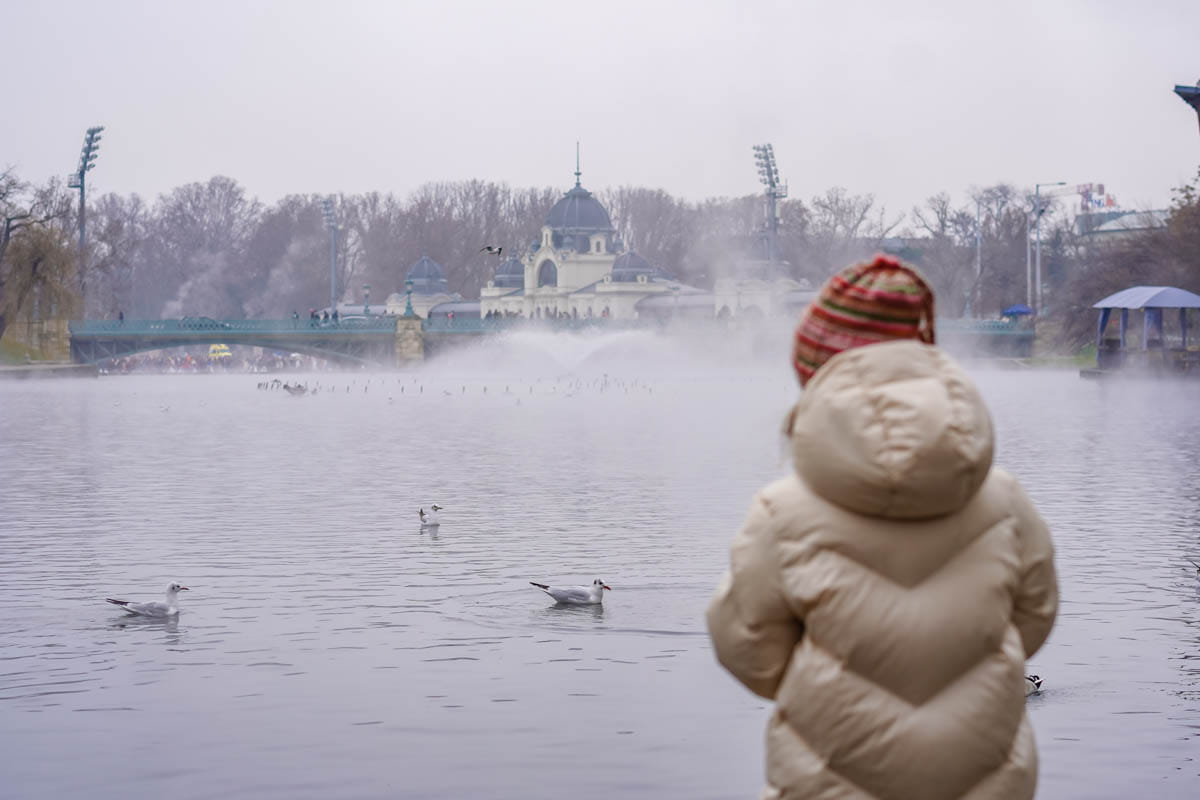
892,430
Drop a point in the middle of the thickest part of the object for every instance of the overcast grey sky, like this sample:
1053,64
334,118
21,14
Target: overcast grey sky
900,99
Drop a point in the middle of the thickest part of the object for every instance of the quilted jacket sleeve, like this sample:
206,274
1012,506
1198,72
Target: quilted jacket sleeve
1036,602
752,627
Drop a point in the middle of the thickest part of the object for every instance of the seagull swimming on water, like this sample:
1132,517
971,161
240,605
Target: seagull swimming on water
1033,684
436,507
576,595
156,609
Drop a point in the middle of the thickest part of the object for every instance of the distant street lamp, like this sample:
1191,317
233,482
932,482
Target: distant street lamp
408,309
1037,227
78,180
366,299
331,224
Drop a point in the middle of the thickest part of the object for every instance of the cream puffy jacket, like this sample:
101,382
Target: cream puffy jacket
887,594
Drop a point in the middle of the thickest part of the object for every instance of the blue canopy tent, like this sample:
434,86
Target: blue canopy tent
1152,300
1018,310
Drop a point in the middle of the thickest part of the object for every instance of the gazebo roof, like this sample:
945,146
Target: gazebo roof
1151,297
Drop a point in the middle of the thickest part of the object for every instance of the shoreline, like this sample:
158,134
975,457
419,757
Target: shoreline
47,370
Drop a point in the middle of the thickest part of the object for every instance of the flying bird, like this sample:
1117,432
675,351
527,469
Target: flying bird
156,609
576,595
495,251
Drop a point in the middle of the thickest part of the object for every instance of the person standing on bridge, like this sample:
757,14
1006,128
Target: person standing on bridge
295,319
886,593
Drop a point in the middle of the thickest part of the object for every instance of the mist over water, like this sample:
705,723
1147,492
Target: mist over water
330,648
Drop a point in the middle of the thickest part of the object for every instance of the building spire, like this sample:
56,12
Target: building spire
577,172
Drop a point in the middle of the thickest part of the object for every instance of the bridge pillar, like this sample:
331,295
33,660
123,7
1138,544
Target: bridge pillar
410,342
51,337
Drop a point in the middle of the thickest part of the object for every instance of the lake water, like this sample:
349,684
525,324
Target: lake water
330,648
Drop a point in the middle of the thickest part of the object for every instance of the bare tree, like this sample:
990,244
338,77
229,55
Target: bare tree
844,228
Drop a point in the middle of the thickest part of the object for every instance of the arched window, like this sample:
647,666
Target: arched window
547,274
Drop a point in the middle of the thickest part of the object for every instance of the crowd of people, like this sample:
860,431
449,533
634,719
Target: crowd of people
175,362
539,313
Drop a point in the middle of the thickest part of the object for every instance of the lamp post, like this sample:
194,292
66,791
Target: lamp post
331,224
366,299
1037,226
78,180
1191,96
408,309
978,254
1028,261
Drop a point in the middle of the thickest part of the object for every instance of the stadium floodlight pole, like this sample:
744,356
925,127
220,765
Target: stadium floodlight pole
331,224
768,176
1037,227
78,180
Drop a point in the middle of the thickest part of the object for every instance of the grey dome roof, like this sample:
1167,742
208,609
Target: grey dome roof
578,210
629,265
427,276
511,274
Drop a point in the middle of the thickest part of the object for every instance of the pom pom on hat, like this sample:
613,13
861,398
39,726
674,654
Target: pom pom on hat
880,300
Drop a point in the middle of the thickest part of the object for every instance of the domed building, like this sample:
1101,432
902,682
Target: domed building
511,274
573,268
429,288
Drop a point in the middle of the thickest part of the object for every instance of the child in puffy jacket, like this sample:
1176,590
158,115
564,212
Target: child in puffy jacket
886,593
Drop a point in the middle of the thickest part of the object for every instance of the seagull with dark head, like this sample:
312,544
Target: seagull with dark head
155,609
495,251
576,595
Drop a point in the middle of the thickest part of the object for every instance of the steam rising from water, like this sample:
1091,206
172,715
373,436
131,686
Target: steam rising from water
678,351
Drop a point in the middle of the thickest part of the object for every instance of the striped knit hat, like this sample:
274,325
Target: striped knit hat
876,301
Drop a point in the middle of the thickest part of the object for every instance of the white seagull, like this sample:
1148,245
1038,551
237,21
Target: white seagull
1033,684
426,520
436,507
167,609
576,595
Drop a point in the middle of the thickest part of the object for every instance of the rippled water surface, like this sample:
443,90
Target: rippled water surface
330,648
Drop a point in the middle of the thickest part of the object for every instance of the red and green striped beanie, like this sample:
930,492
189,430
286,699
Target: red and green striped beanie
876,301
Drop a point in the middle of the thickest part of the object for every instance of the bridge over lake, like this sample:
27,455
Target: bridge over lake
380,340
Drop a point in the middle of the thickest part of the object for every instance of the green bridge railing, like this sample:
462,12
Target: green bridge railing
205,326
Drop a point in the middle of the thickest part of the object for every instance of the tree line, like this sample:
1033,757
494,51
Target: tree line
211,249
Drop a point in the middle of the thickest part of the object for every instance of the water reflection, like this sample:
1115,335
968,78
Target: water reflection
564,614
